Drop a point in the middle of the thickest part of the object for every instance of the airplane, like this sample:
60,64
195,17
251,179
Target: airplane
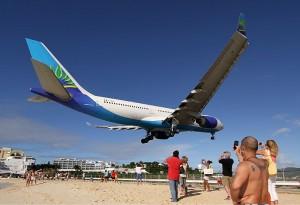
58,85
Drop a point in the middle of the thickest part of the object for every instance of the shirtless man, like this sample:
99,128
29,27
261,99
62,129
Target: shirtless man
250,183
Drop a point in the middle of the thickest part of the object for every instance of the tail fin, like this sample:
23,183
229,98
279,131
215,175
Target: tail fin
242,24
54,78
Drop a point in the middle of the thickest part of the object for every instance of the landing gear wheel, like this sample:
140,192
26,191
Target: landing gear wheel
147,139
144,140
212,137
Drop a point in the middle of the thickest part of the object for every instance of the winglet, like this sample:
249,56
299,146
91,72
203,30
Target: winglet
242,24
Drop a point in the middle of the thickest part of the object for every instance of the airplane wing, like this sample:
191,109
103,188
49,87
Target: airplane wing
117,127
198,98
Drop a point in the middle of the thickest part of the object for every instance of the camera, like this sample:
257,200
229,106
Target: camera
235,144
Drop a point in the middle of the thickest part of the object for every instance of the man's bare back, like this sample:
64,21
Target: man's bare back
250,183
256,188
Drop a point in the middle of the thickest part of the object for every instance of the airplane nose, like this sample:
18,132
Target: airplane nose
220,125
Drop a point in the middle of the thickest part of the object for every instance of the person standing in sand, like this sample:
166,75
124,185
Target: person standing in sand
208,172
270,153
173,163
138,172
28,177
114,176
106,175
183,175
250,183
33,177
227,163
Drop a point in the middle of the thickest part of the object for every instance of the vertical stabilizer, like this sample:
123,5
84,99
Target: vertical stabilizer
43,59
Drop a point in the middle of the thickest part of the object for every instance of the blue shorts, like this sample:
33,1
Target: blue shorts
139,176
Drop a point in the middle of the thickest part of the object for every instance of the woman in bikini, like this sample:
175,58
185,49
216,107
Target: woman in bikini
270,153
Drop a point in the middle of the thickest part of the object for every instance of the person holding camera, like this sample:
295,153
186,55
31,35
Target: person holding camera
270,153
227,163
250,183
208,172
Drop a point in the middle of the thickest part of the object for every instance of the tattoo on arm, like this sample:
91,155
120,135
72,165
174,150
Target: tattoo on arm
253,168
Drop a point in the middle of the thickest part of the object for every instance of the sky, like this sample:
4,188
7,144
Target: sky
152,52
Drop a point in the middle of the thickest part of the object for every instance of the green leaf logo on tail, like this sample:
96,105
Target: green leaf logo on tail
63,77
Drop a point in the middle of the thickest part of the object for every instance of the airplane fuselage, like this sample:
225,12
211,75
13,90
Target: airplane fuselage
149,117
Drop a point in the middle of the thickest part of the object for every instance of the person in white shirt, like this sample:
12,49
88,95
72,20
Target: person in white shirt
138,172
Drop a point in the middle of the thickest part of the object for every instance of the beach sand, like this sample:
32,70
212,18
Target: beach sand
86,192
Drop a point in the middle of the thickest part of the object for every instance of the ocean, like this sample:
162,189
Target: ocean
4,185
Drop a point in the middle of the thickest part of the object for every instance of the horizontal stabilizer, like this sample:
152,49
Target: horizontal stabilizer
117,127
38,99
49,82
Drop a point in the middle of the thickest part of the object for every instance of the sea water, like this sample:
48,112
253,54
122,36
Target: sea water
4,185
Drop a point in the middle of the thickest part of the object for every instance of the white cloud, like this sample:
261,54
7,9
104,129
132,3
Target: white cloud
280,116
287,119
282,131
297,122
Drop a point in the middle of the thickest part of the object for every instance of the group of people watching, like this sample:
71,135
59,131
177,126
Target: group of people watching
113,175
31,177
254,179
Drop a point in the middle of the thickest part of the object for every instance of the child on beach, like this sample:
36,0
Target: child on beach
114,176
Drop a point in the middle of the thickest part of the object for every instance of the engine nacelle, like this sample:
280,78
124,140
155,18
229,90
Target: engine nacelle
207,121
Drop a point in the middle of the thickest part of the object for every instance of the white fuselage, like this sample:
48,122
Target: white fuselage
133,110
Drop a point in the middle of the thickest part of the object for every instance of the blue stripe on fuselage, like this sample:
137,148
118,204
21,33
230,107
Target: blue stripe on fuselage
85,104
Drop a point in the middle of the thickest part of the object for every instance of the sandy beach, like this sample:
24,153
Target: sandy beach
86,192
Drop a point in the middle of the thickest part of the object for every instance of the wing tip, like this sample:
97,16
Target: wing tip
242,24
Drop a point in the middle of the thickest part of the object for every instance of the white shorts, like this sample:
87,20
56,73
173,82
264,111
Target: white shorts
206,178
272,188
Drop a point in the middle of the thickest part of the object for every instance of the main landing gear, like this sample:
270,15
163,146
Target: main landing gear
147,138
157,134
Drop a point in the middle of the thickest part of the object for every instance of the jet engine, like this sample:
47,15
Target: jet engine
207,121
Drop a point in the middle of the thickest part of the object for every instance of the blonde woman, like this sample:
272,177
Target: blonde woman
183,175
270,153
